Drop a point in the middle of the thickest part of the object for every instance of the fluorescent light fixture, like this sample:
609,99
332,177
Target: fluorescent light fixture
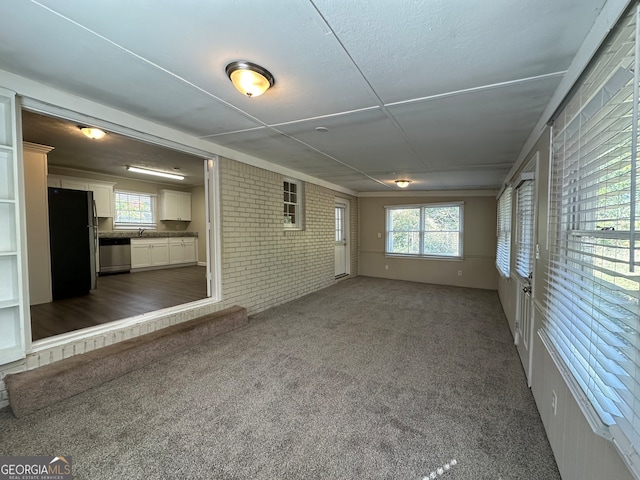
249,79
92,133
155,172
403,183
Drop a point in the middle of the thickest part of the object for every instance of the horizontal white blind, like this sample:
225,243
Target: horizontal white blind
592,289
135,210
524,244
503,249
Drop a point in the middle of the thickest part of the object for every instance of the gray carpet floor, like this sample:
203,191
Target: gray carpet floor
371,378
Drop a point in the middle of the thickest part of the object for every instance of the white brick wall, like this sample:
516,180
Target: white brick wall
262,264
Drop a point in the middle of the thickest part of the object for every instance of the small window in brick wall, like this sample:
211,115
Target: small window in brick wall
293,195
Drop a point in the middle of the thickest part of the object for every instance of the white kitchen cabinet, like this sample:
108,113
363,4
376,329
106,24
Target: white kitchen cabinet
103,196
14,330
102,191
149,252
182,250
74,183
175,205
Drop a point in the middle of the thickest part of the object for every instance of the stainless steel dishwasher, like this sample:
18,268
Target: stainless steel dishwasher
115,255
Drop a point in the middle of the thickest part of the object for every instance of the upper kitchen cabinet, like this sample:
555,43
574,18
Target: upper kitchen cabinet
175,205
102,191
13,306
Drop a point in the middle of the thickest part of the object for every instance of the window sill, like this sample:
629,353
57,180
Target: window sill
423,257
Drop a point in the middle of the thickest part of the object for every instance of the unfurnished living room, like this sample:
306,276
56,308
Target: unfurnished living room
319,239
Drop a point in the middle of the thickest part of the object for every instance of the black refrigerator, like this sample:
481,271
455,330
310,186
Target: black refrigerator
73,236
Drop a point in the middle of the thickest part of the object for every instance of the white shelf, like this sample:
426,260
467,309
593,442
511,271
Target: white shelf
8,284
11,354
7,191
8,304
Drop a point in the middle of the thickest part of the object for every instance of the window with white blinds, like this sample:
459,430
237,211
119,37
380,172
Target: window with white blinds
135,210
524,233
593,285
503,249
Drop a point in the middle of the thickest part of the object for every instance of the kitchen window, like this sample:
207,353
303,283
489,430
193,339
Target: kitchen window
433,230
135,210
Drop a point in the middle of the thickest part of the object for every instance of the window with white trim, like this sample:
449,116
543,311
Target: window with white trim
503,248
293,196
593,286
432,230
525,195
135,210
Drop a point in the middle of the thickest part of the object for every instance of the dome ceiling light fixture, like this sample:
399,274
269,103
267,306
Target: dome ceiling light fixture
91,132
249,79
403,183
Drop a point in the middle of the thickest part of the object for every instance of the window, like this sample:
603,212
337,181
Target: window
503,250
524,233
593,286
433,230
292,204
135,210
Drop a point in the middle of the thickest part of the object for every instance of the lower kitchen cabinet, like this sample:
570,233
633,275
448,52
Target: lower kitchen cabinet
149,252
159,252
182,250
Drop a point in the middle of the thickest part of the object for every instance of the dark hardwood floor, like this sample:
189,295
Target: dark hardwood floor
120,296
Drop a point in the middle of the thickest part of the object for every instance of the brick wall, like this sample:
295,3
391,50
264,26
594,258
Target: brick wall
262,264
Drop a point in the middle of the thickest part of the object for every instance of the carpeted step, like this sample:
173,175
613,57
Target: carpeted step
35,389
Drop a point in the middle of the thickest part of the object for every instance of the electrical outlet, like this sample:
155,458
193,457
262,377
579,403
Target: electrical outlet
386,267
554,402
459,273
379,235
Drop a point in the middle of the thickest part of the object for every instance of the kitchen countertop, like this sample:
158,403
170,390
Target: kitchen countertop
152,234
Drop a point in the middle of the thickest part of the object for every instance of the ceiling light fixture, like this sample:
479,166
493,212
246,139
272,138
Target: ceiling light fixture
155,172
92,133
249,79
403,183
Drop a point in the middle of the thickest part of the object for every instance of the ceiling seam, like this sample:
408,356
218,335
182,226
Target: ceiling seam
388,114
153,64
439,96
187,82
481,88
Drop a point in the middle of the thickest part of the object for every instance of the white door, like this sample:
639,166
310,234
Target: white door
525,264
341,240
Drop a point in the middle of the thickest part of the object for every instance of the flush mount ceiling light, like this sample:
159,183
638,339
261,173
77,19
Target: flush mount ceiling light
157,173
403,183
92,133
249,79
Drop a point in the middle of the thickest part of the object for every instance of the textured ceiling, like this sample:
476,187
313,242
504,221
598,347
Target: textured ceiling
443,92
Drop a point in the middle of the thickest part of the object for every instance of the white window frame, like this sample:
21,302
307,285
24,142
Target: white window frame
503,244
421,232
525,217
119,225
298,204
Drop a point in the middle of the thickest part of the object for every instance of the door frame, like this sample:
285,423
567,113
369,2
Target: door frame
529,172
345,202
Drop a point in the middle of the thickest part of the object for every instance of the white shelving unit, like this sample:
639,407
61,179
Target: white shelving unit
12,288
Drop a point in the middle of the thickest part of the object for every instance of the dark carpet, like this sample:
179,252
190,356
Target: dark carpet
371,378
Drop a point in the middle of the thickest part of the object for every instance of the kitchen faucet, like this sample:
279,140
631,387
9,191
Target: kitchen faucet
140,231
